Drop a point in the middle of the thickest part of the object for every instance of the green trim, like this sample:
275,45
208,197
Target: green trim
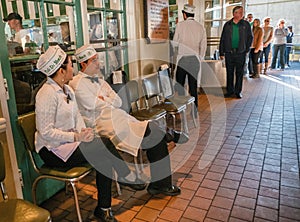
124,31
62,10
4,8
54,2
36,9
44,25
26,10
14,6
78,24
49,9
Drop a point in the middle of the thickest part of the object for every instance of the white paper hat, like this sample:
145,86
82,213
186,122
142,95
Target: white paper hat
51,60
189,8
84,53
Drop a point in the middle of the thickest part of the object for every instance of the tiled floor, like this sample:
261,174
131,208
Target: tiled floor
241,164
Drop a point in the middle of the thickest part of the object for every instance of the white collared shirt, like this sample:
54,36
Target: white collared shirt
57,116
190,37
105,115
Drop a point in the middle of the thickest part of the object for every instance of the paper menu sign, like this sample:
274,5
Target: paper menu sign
117,77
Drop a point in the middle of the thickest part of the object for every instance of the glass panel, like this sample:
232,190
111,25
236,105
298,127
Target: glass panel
115,4
96,31
113,25
173,20
27,41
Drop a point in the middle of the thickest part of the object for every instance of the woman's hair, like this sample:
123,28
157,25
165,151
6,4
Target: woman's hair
63,66
258,22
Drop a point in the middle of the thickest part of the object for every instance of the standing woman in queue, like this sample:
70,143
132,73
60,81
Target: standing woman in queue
279,44
267,39
62,140
256,48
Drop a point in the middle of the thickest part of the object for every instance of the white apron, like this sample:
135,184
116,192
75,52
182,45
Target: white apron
125,132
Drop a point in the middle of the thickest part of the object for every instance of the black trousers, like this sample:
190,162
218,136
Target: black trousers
188,66
234,65
155,145
102,155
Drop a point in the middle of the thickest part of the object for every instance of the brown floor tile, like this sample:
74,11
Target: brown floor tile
266,213
218,214
171,214
148,214
195,214
242,213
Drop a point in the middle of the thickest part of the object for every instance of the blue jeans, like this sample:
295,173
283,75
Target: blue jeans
265,54
281,49
287,55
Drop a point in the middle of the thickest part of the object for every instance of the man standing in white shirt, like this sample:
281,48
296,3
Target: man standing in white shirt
14,21
190,37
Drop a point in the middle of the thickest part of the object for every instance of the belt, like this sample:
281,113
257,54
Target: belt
234,50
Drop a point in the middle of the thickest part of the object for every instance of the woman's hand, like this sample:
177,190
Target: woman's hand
86,135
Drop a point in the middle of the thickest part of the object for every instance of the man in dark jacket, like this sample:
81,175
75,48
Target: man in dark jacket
235,42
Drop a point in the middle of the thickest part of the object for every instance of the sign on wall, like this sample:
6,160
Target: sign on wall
156,20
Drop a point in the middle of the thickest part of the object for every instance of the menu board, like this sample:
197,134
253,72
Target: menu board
156,20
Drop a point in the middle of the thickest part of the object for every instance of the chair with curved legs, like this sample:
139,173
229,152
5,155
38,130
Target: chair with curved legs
18,209
169,92
142,113
154,96
68,175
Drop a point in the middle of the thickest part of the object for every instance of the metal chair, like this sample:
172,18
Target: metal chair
14,210
68,175
142,113
152,90
169,92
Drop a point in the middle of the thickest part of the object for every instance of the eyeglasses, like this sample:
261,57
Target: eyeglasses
267,20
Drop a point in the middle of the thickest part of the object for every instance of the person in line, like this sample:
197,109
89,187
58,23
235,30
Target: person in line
256,48
267,39
190,38
248,62
289,41
99,106
279,44
235,42
63,140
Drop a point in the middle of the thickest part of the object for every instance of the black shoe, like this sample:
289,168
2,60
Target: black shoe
136,185
239,95
170,191
228,95
180,137
104,215
169,135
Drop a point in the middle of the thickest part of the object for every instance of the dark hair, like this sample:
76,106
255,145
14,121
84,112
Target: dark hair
236,8
188,14
63,66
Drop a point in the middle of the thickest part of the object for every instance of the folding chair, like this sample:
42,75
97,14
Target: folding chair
169,92
14,210
68,175
142,113
152,91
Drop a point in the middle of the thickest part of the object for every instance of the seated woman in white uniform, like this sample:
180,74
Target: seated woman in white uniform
99,106
63,140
